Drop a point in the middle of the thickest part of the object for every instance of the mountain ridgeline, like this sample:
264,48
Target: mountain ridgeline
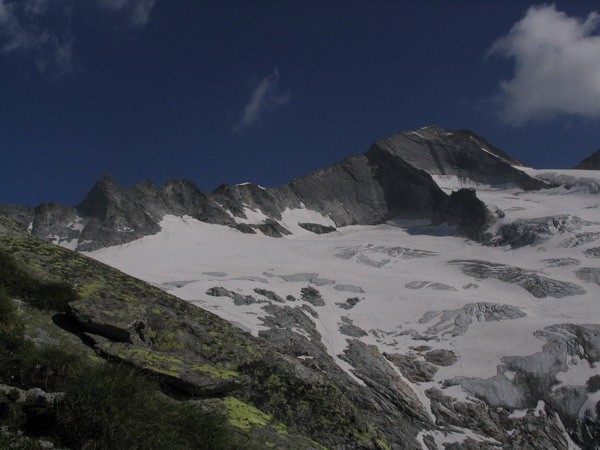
374,338
592,162
391,180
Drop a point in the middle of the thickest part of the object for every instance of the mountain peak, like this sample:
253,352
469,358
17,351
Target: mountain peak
106,191
463,154
592,162
106,180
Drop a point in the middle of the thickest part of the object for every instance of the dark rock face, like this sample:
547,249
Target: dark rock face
312,296
115,216
348,328
316,228
537,429
412,368
377,373
391,180
439,151
22,215
463,209
238,299
592,162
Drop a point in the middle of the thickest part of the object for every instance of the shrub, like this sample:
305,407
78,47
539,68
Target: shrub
48,367
43,295
51,296
11,327
115,407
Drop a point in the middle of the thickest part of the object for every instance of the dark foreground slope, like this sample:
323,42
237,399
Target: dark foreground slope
391,180
268,397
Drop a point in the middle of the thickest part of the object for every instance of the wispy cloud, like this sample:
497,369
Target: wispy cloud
24,31
557,66
40,32
266,99
137,11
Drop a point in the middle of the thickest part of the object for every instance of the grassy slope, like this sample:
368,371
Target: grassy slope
179,332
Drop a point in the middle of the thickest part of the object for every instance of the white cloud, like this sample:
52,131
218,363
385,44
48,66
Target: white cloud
266,98
557,66
138,11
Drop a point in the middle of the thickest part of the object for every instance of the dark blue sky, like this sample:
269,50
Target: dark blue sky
170,96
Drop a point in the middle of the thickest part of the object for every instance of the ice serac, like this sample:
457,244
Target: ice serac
462,153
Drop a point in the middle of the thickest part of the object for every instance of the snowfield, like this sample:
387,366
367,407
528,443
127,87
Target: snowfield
412,288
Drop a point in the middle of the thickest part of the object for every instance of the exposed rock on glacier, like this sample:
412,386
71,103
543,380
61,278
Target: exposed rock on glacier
348,328
238,299
316,228
349,303
537,285
534,231
414,369
457,322
581,239
561,262
593,252
429,285
535,377
269,294
312,296
537,428
589,274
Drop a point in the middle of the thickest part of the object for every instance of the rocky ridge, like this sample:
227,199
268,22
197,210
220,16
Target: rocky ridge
592,162
391,180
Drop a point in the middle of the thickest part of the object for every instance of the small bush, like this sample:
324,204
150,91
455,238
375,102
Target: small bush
11,277
51,296
115,407
11,327
43,295
48,367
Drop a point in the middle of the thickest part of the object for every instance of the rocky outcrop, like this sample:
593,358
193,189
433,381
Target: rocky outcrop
377,373
439,151
535,231
456,322
316,228
238,299
533,282
523,381
463,209
197,378
312,296
592,162
536,428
